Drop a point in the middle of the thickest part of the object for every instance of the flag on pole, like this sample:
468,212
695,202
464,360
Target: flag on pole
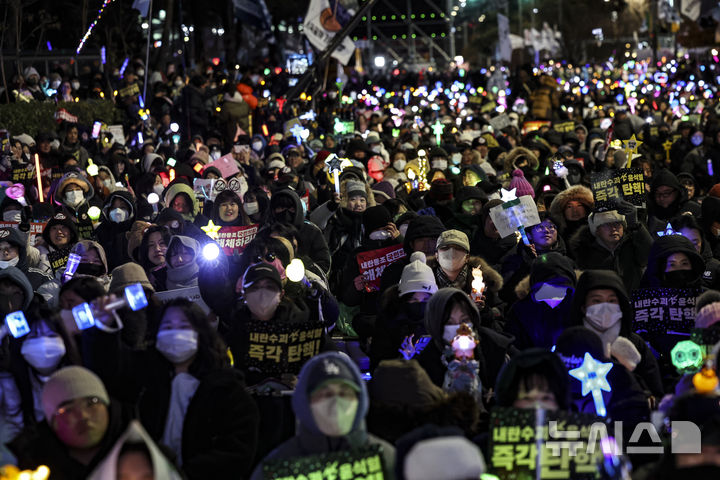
143,6
253,12
325,18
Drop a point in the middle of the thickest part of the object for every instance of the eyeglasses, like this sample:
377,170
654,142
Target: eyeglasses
269,257
75,406
667,194
544,228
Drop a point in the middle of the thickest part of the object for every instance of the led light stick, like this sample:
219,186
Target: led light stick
39,179
333,164
16,324
134,298
211,251
16,191
92,26
297,131
153,199
477,284
593,376
437,129
71,266
687,357
668,231
211,229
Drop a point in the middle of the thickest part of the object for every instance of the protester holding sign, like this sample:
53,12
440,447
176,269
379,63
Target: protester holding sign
667,199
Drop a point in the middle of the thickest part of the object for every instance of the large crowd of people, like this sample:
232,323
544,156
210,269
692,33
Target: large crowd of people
227,281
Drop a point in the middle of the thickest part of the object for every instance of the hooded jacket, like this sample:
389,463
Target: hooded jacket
59,219
577,193
81,247
311,241
647,371
518,153
177,188
184,276
629,258
534,323
16,276
463,221
111,234
655,276
39,276
308,439
532,359
492,351
658,217
78,212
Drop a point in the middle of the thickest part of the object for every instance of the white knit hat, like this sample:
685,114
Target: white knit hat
71,383
601,218
450,458
417,276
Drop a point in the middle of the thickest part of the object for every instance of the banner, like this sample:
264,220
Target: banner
22,173
278,348
567,447
626,183
364,463
325,18
500,122
373,262
191,293
58,259
234,239
564,127
664,310
504,45
511,215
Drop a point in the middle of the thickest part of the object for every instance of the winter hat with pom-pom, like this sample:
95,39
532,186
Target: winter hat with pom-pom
522,187
417,276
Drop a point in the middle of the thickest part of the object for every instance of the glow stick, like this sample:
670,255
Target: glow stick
39,180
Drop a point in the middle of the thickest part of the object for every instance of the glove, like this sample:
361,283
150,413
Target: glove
628,209
626,353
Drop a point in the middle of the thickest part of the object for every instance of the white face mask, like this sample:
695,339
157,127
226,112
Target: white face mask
251,208
439,164
399,165
9,263
177,345
140,72
449,332
403,229
108,184
456,158
76,85
451,259
376,148
380,235
551,294
74,198
602,316
334,416
118,215
257,146
43,353
263,302
158,189
179,83
12,216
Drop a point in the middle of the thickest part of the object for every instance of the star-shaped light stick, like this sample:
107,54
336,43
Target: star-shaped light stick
593,376
668,231
631,148
211,229
507,195
437,129
297,131
334,166
667,146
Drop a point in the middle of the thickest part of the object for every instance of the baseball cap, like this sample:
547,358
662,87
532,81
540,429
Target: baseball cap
259,271
453,237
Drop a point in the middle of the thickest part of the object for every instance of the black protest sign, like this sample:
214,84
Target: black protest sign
568,443
664,310
364,463
626,183
58,259
21,173
278,348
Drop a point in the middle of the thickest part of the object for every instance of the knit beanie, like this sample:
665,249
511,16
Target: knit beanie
522,187
384,189
451,458
375,217
128,274
707,309
71,383
417,276
596,219
355,187
441,189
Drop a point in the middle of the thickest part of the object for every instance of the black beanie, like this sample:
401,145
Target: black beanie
375,217
574,342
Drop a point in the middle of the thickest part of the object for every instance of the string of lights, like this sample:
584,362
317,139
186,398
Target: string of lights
92,25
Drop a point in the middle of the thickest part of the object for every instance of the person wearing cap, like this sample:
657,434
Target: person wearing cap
402,310
74,197
187,395
330,404
81,425
613,241
375,144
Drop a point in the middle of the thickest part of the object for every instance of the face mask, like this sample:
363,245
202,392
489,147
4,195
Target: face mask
403,229
257,146
449,332
12,216
439,164
416,310
376,148
43,353
451,260
158,189
9,263
76,85
263,302
179,83
285,217
108,184
92,269
456,158
74,198
334,416
55,84
679,278
399,165
118,215
140,72
177,345
603,315
380,235
251,208
550,294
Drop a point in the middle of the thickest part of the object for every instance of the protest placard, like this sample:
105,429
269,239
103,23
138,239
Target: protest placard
664,310
373,262
564,127
567,448
509,216
500,122
365,463
626,183
278,348
36,229
58,259
191,293
118,133
22,173
226,164
234,239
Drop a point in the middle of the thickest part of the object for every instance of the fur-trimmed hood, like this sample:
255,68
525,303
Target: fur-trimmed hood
511,158
344,197
578,193
493,280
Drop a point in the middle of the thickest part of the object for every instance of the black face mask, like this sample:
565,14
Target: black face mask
32,81
416,311
679,278
528,171
92,269
285,217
